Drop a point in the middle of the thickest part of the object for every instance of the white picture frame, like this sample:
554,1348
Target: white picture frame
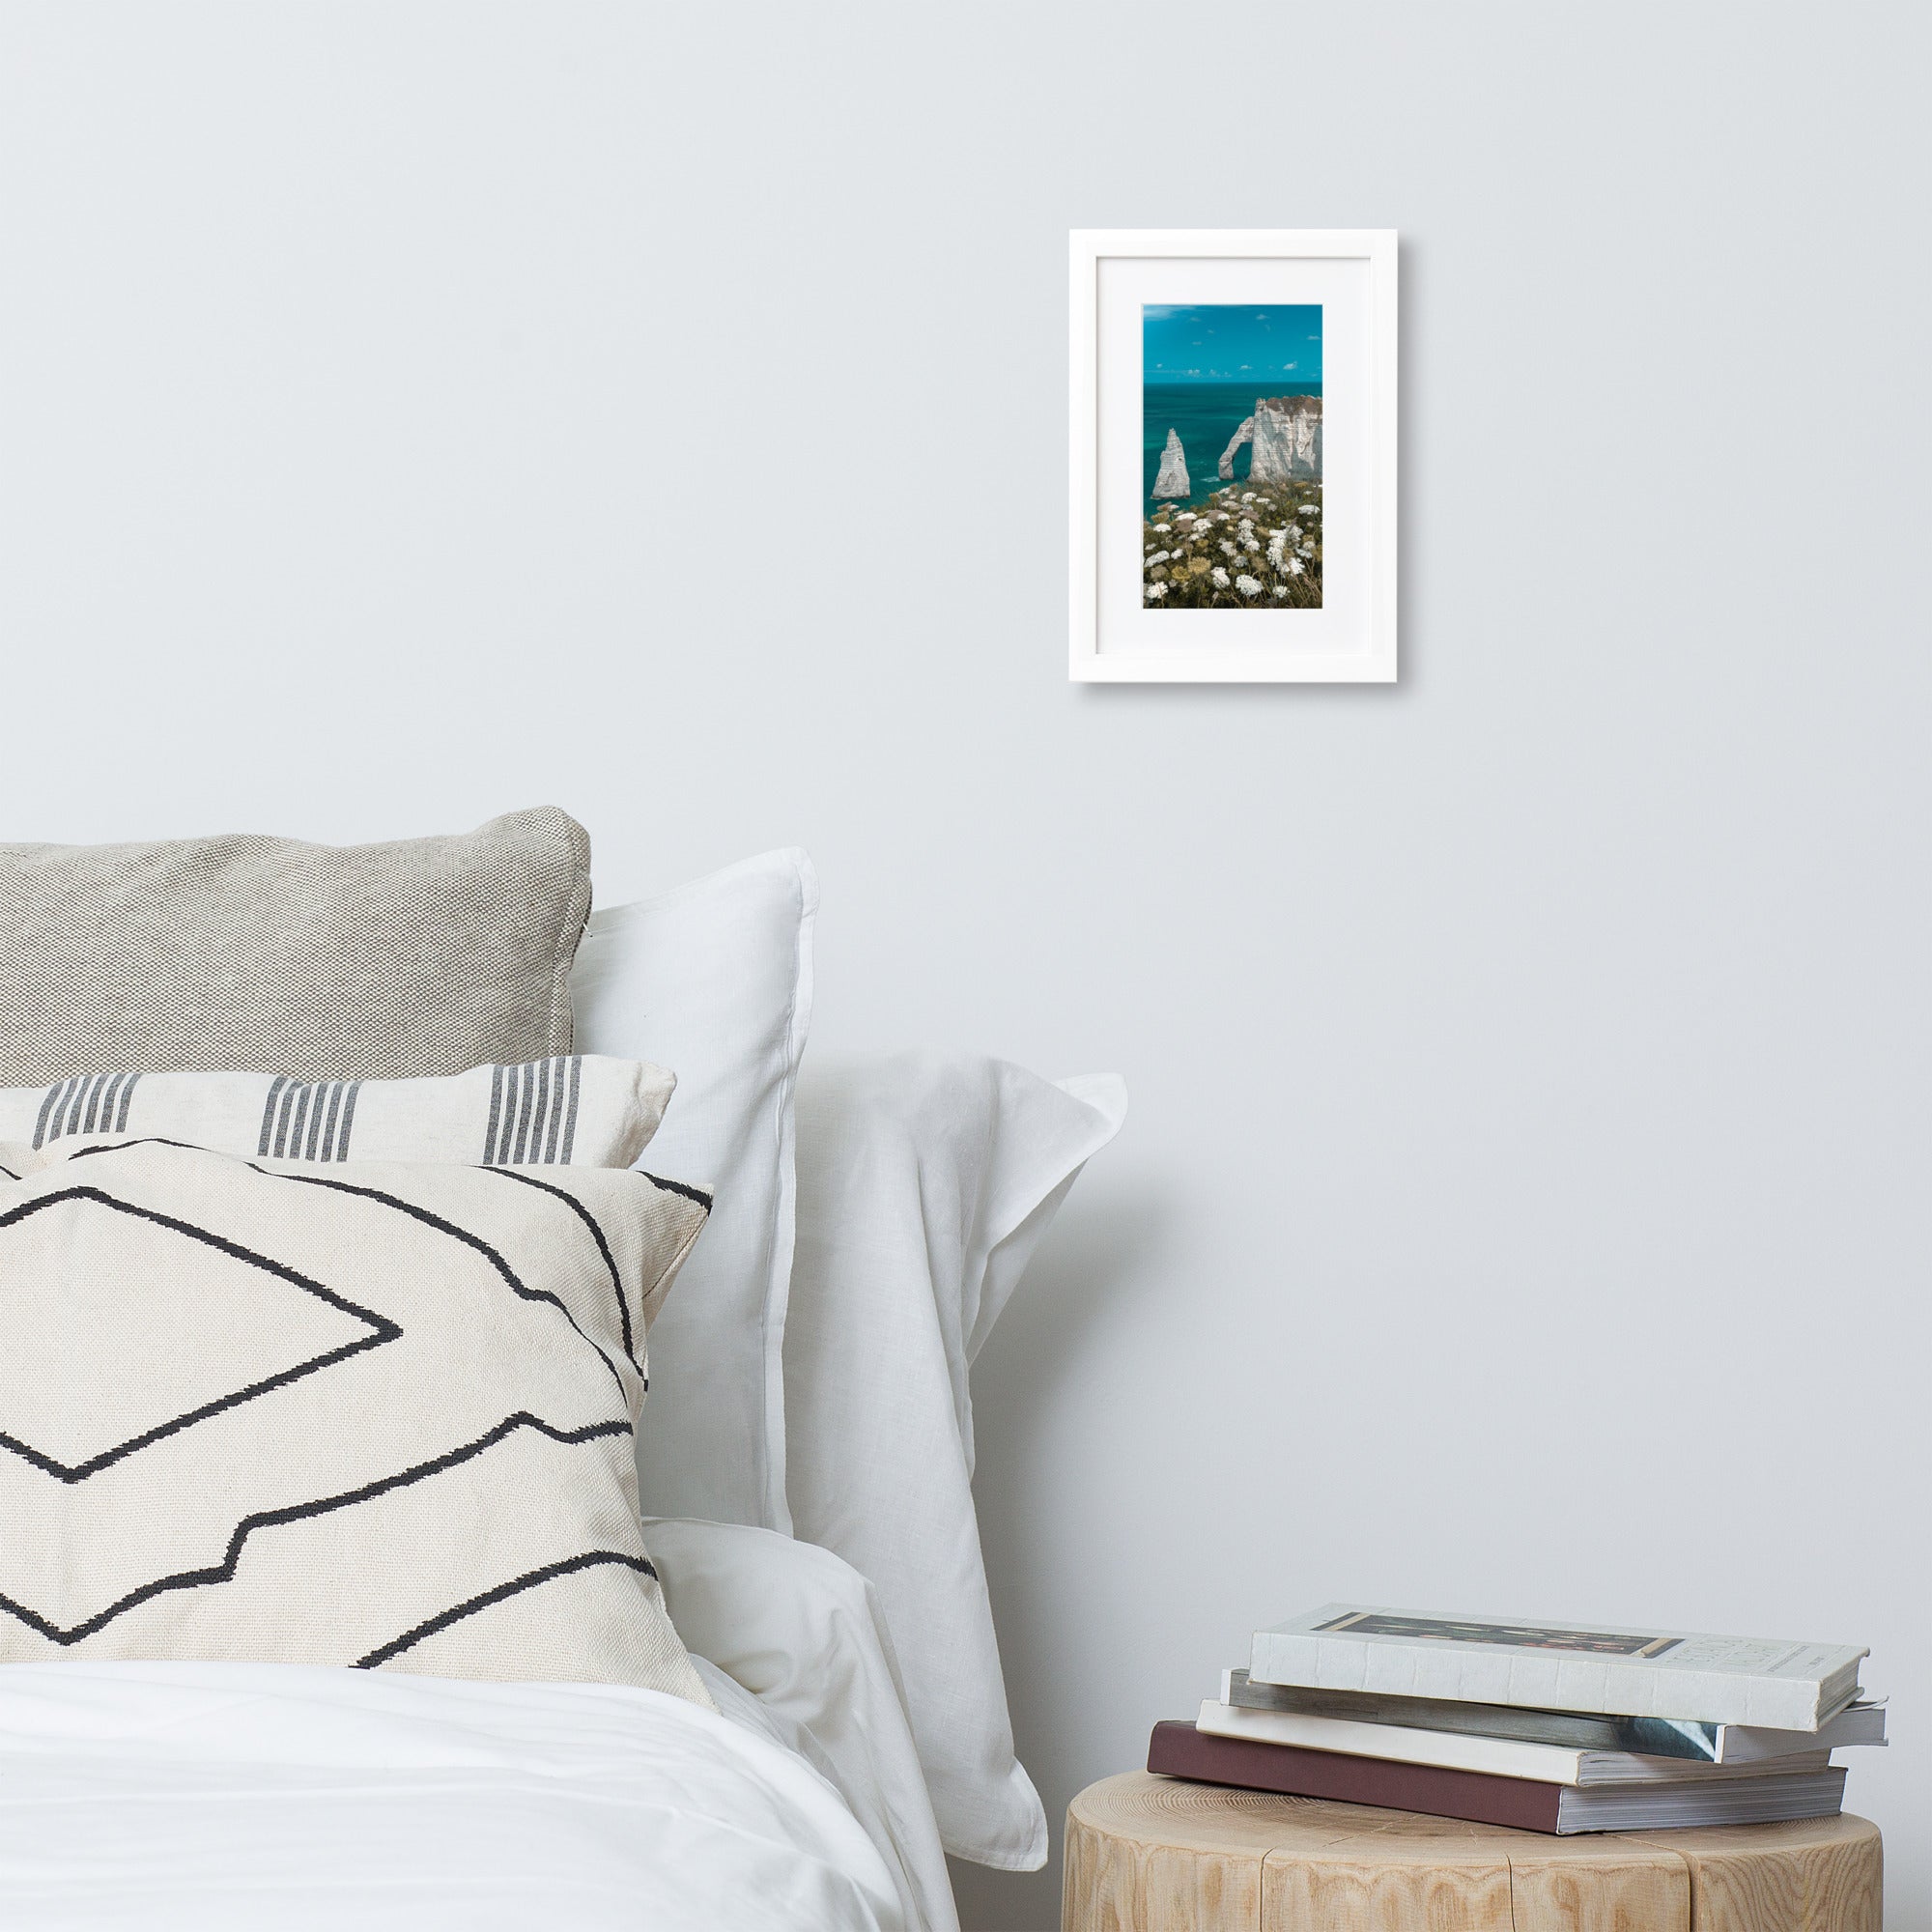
1117,633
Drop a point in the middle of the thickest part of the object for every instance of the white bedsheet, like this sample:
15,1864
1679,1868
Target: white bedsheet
227,1796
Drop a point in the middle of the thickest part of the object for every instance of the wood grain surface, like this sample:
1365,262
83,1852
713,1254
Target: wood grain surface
1148,1853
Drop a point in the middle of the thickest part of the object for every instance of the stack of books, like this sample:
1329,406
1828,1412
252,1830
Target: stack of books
1545,1727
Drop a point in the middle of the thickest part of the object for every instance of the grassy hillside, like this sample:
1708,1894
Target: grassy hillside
1247,548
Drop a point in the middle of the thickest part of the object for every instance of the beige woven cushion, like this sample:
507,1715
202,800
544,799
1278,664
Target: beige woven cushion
376,1414
322,962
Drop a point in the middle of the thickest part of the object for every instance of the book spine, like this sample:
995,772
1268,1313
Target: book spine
1550,1682
1178,1750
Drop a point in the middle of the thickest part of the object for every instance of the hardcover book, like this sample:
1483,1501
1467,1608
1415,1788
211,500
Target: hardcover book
1650,1673
1181,1750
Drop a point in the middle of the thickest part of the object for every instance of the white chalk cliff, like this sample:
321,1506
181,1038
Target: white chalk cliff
1287,434
1173,478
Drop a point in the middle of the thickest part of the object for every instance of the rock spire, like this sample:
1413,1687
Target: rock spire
1173,478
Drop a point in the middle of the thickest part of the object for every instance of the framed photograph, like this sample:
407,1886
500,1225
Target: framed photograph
1233,456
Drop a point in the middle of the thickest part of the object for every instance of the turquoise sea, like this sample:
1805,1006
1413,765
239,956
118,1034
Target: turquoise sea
1206,415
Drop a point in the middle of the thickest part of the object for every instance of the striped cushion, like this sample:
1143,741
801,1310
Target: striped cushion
572,1110
373,1415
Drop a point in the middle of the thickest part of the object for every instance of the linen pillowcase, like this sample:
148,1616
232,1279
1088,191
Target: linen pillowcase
377,1415
800,1631
926,1182
576,1108
429,955
714,979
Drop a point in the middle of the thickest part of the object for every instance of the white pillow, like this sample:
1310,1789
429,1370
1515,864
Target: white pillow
800,1630
714,981
926,1180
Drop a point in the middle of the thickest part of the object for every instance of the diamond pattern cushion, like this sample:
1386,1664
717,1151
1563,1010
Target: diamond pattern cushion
366,1414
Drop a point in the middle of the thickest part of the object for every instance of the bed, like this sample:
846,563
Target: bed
227,1794
725,1658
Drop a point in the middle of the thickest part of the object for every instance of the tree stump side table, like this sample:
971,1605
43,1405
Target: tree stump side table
1148,1853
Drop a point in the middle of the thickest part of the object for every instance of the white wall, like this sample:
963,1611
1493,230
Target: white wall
413,411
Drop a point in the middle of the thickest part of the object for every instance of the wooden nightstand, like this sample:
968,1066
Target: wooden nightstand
1148,1853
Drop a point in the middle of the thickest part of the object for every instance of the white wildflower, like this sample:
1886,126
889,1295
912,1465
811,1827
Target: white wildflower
1277,547
1281,590
1162,529
1228,549
1294,566
1311,509
1308,550
1247,587
1160,557
1218,578
1247,497
1156,591
1251,543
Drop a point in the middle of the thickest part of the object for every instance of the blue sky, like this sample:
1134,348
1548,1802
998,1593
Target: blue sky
1230,342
